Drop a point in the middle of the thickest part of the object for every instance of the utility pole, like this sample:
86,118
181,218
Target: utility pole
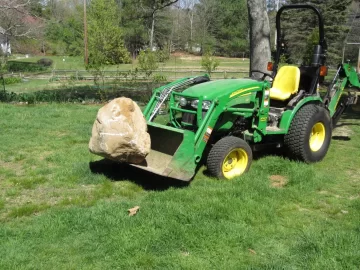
86,55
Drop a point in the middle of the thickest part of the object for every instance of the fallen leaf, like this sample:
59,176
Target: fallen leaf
252,251
133,211
185,253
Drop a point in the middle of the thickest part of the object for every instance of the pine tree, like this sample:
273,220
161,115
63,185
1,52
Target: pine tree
106,44
233,28
133,24
300,26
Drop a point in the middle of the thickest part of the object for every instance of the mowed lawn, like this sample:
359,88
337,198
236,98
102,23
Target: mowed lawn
177,66
177,60
64,208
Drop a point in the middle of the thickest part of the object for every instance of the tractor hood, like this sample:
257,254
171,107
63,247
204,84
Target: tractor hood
214,89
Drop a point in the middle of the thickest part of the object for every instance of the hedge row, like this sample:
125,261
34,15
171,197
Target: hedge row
81,94
19,66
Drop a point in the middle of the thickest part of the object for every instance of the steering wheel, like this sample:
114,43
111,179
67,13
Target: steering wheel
265,74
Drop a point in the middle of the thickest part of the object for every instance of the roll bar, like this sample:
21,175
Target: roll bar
322,41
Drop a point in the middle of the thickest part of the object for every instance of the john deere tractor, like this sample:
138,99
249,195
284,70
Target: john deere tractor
220,123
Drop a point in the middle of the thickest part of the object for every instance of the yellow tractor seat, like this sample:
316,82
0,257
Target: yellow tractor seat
286,83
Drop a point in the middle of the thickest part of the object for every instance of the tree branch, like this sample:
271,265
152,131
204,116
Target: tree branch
166,4
16,6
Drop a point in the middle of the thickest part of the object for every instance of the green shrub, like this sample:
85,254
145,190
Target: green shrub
12,80
163,56
139,92
76,77
17,66
158,78
54,79
209,62
46,62
148,62
7,96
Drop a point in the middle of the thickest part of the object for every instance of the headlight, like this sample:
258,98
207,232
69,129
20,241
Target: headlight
183,102
194,103
205,105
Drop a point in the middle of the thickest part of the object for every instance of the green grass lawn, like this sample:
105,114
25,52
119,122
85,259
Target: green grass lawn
33,85
64,208
177,66
175,61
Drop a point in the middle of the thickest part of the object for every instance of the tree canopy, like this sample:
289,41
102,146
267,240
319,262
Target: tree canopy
119,28
106,44
300,29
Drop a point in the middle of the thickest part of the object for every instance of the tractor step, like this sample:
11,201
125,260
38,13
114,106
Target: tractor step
274,129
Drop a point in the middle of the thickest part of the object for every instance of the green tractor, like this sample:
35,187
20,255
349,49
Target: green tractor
220,123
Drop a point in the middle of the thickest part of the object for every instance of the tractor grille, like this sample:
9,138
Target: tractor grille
189,118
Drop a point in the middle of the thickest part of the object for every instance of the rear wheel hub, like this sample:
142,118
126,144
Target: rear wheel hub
235,163
317,136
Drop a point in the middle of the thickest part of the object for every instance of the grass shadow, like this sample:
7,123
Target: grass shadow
272,151
341,138
123,172
352,113
345,124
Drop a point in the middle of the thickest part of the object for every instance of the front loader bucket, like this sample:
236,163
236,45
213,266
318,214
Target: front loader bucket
172,152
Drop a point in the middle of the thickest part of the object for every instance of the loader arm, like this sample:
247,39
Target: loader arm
345,77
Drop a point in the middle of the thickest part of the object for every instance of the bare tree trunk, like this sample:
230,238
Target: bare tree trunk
152,31
43,47
189,6
156,6
260,53
86,49
191,17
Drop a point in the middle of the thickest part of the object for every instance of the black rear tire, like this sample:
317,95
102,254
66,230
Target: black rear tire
309,134
229,157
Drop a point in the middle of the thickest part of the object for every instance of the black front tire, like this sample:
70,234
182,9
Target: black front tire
309,134
229,157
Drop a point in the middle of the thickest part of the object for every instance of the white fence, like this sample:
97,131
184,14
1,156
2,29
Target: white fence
130,75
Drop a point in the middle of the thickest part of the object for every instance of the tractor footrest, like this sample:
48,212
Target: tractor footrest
274,129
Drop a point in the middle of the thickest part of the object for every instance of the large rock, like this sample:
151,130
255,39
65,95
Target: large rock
120,132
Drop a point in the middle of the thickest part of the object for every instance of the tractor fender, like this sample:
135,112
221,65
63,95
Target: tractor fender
289,115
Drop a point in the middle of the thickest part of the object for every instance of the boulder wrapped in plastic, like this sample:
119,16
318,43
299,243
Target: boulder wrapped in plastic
120,132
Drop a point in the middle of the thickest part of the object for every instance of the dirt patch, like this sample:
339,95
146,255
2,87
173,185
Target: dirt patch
193,57
278,181
16,166
190,58
341,130
177,54
45,195
355,197
58,133
354,175
45,154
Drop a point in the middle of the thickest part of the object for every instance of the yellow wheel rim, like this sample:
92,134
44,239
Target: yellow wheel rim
235,163
317,136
